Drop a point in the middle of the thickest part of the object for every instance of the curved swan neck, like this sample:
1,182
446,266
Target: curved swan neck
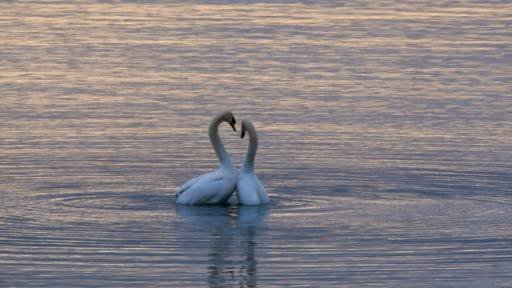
251,150
213,132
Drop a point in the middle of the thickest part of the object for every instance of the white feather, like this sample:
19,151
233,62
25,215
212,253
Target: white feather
214,187
249,189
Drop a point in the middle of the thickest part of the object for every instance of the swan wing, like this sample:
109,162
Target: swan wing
250,190
247,190
210,188
193,181
262,192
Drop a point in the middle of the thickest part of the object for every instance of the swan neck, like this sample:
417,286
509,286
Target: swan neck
251,150
213,132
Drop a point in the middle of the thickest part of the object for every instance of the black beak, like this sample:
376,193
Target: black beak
233,126
243,134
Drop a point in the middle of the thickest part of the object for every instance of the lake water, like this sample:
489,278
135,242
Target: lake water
385,143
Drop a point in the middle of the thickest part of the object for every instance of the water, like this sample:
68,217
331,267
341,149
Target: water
385,143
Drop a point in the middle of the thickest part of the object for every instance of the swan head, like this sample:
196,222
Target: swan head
245,125
230,118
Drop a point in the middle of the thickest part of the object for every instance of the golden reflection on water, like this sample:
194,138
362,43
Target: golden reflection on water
385,142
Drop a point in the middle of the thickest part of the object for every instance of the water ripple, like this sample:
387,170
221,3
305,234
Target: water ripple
384,130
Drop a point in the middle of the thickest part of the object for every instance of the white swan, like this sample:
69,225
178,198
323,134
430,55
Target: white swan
250,190
215,187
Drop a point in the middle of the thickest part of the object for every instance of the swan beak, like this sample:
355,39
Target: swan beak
243,134
233,126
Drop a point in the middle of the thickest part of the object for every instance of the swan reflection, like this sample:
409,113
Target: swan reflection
233,233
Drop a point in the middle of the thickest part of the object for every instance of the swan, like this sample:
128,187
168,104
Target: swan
214,187
250,190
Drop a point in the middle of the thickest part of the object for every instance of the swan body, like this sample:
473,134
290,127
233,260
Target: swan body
250,190
215,187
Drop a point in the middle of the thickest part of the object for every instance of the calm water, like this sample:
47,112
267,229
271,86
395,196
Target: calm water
385,143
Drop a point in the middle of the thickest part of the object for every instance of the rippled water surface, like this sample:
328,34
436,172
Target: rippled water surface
385,143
